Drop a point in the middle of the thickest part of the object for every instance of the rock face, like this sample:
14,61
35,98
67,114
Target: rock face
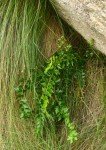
88,17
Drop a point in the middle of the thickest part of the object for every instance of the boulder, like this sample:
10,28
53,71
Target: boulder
88,17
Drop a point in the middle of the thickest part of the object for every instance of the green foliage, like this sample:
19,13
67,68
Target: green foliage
63,70
24,108
55,83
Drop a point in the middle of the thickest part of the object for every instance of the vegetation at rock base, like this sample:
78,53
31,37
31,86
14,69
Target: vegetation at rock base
45,100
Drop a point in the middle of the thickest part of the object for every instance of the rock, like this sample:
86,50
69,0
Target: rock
88,17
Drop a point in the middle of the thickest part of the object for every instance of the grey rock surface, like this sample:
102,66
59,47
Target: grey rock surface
88,17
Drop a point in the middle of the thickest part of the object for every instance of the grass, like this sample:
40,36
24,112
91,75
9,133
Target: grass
18,54
92,128
28,35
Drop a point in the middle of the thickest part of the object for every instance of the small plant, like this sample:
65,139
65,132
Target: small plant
55,84
54,80
21,89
